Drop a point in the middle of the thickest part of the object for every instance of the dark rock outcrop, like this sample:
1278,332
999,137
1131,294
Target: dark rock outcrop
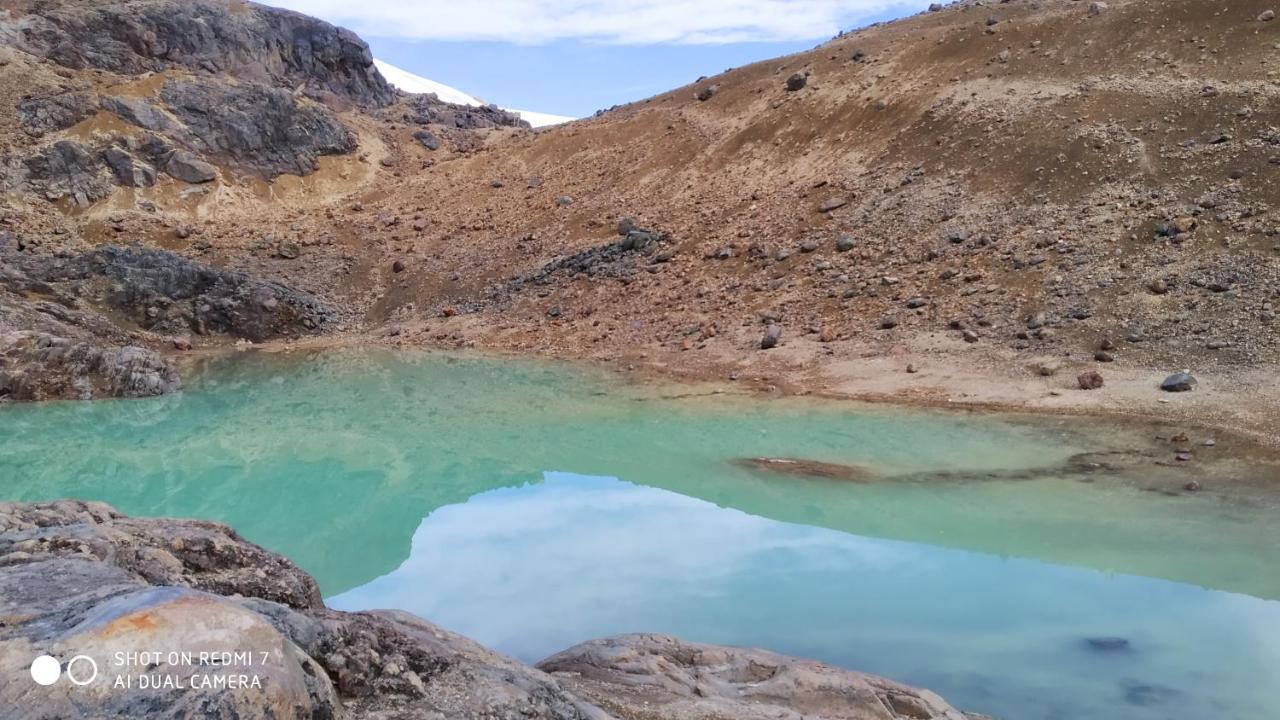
52,349
67,169
243,39
40,115
264,129
429,109
165,292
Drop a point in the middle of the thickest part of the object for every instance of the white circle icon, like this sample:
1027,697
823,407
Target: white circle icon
92,671
45,670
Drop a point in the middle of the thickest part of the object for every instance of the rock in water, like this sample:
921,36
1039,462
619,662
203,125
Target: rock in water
805,468
655,676
1107,644
1182,381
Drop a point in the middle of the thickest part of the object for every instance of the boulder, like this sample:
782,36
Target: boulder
655,676
185,166
128,170
80,579
1182,381
772,335
1090,380
797,82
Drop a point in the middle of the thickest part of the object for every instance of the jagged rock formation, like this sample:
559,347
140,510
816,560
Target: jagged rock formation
166,293
244,39
79,578
56,343
264,129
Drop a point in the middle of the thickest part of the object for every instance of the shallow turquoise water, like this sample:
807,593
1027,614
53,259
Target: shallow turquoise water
532,506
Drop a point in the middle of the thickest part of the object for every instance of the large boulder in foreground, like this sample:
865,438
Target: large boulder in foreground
79,578
663,677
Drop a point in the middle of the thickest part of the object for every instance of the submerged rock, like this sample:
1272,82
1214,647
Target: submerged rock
806,468
1107,644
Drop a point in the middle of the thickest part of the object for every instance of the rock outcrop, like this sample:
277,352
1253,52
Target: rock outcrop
57,343
79,578
663,677
264,129
167,293
243,39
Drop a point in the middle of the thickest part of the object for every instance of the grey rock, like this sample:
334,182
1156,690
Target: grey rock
128,170
188,296
844,243
655,676
185,166
246,40
797,82
40,366
263,129
429,109
772,335
1182,381
428,139
138,111
66,169
40,115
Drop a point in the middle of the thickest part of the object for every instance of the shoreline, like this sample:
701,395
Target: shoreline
845,379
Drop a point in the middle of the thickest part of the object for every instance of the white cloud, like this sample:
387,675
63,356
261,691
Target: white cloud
608,21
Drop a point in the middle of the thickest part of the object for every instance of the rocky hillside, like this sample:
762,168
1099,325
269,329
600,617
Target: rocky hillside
163,110
82,579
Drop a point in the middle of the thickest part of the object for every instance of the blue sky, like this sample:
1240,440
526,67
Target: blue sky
573,57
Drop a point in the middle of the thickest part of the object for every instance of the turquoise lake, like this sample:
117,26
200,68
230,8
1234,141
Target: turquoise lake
995,559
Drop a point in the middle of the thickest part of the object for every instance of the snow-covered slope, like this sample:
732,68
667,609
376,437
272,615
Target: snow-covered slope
409,82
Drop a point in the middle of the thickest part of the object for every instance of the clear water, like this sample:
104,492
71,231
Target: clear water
532,506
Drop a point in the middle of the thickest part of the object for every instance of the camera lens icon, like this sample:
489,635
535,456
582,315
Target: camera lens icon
81,670
45,670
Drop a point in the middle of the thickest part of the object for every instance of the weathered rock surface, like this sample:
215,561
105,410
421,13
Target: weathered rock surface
429,109
40,366
655,676
79,578
67,169
264,129
165,292
244,39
